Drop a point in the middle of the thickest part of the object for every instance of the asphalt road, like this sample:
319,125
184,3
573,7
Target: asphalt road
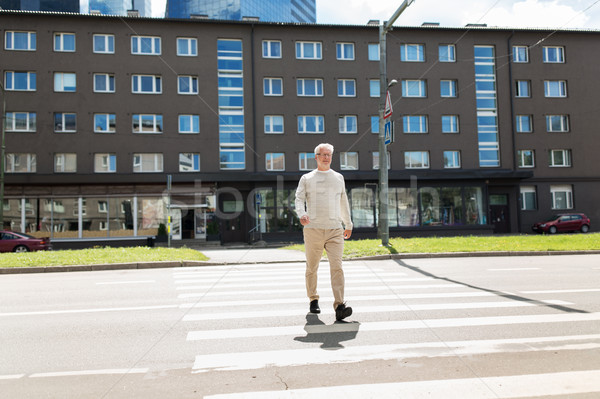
496,327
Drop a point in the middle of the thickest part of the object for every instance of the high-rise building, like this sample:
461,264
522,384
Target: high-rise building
120,7
41,5
265,10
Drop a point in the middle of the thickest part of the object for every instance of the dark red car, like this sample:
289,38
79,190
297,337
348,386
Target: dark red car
564,222
11,241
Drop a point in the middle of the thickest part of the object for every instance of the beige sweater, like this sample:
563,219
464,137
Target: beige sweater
322,196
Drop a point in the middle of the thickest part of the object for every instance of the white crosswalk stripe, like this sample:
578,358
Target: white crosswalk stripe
256,317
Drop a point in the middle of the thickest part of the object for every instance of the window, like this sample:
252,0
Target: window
65,163
308,50
147,123
523,88
311,124
145,45
414,123
25,41
271,49
345,51
557,123
64,81
346,88
559,158
105,163
562,197
524,124
189,162
416,159
20,122
414,88
375,124
528,198
520,54
274,124
187,85
189,124
65,122
447,53
349,160
19,81
20,163
147,163
554,54
376,160
309,87
373,51
105,123
187,46
526,158
104,83
450,124
64,42
348,124
451,159
412,53
555,88
374,88
448,88
273,86
146,84
275,161
307,161
104,44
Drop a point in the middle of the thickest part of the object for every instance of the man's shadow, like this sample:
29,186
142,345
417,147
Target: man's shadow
331,335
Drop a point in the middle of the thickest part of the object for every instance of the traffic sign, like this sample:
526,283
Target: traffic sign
388,132
388,106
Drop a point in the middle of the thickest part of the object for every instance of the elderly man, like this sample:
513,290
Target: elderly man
322,206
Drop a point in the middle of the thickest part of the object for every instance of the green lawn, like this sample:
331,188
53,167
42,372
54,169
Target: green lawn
544,243
98,256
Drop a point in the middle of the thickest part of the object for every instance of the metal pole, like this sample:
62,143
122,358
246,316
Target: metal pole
383,230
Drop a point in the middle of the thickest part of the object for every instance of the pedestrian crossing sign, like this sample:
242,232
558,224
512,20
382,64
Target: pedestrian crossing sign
388,132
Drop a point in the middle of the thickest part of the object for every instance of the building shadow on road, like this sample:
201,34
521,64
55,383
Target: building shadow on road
330,336
502,294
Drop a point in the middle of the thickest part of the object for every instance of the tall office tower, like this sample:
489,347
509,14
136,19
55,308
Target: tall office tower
120,7
266,10
41,5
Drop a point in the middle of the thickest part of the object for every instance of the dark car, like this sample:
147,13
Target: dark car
564,222
11,241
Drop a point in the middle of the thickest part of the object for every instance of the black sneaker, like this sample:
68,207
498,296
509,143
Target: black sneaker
314,306
342,311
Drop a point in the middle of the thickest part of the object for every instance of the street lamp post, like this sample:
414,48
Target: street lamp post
384,28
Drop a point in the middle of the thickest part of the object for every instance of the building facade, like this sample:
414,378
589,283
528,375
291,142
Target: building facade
41,5
304,11
115,124
120,7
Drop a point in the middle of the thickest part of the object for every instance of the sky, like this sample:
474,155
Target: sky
557,14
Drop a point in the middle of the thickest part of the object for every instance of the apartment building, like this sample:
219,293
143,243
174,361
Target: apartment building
115,123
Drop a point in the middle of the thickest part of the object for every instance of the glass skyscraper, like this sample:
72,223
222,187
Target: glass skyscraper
266,10
120,7
41,5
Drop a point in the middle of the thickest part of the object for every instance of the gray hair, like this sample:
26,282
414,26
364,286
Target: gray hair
327,146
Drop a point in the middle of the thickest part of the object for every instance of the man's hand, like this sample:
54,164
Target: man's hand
304,220
347,234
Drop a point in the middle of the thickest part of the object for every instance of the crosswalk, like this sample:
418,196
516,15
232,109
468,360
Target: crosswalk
255,317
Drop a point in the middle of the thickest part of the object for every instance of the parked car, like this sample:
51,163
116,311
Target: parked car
563,222
11,241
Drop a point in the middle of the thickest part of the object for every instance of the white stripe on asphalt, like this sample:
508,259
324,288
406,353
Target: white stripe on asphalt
11,377
89,372
370,309
390,326
561,291
355,354
286,276
126,282
502,387
514,269
75,311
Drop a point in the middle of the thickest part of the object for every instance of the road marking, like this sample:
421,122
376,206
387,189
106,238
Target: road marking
287,276
355,354
510,386
389,326
75,311
560,291
369,309
89,372
126,282
514,269
11,377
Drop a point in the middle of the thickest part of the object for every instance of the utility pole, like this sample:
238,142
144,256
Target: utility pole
384,28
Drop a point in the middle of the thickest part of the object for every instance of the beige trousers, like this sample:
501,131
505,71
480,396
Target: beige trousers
315,240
